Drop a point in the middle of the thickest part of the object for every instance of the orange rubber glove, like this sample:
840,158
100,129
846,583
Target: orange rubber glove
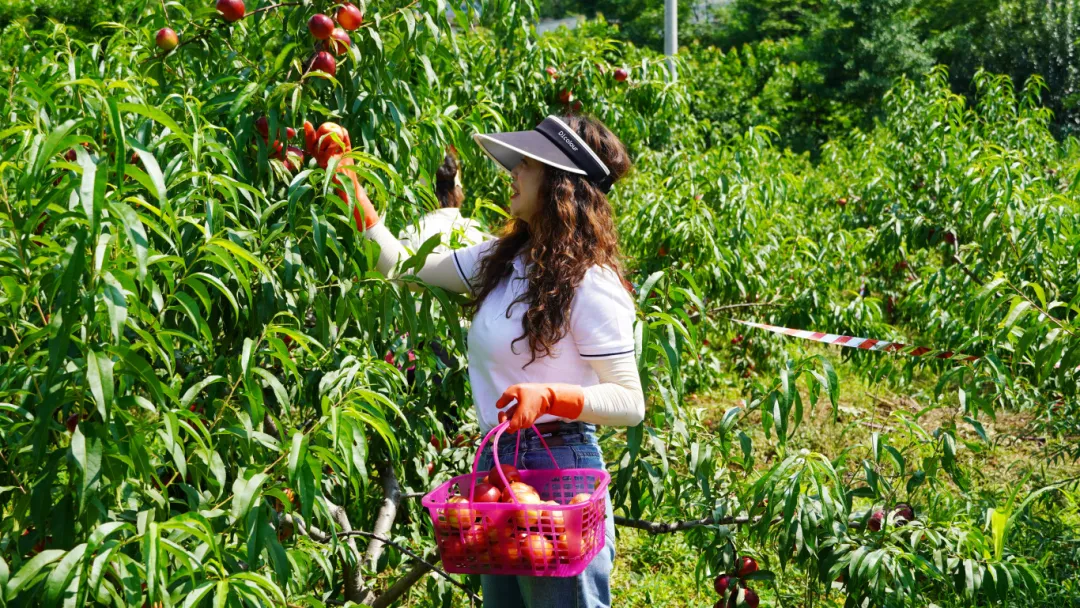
330,140
326,143
535,400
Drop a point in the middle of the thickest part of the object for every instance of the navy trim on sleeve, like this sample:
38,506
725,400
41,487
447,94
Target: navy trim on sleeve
457,263
625,352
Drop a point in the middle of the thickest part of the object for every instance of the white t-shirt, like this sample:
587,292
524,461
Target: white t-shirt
445,222
601,327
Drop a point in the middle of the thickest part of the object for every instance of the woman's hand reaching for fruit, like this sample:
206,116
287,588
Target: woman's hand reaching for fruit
330,141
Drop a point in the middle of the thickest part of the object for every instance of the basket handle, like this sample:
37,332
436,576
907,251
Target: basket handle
497,431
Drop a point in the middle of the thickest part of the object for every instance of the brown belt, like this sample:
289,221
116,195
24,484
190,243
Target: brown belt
549,427
547,430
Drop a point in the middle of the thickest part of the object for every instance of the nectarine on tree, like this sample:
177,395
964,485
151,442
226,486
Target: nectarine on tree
349,17
324,62
875,521
231,10
166,39
745,566
721,584
320,26
338,42
621,75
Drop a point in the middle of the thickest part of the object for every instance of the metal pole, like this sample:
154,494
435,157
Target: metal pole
671,33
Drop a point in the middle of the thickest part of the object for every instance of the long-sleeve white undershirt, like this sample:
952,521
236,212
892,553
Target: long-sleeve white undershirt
616,401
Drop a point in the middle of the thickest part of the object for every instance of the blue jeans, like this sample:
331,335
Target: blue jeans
590,589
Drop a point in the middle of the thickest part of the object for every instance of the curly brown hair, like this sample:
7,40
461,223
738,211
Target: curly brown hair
572,230
447,190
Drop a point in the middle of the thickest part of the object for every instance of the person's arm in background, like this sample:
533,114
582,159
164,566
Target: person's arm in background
332,140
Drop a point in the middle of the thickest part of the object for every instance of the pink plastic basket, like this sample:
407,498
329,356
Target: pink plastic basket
520,539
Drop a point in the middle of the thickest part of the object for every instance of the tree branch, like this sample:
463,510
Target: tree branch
354,578
403,584
399,547
384,521
654,527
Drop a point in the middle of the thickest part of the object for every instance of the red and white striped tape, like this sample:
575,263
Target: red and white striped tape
866,343
860,343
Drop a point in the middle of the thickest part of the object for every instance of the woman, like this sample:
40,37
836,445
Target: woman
446,221
551,341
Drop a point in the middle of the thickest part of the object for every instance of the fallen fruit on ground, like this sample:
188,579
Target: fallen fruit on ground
166,39
231,10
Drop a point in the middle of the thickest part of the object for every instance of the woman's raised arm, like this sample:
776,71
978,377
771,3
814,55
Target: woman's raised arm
330,141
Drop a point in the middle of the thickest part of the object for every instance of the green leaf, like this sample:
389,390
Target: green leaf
50,147
647,287
193,392
832,387
152,170
153,114
136,235
58,579
30,570
99,373
246,357
151,554
296,454
87,455
244,495
194,597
